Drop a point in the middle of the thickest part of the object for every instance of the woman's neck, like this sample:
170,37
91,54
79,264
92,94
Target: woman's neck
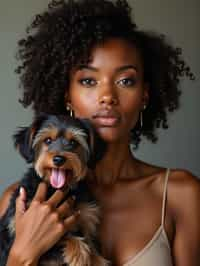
117,164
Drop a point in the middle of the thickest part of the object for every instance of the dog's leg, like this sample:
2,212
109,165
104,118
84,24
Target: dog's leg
76,252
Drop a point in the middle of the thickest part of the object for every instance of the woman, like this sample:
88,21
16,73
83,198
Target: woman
89,59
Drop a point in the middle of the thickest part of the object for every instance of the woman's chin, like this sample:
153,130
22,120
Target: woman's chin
110,134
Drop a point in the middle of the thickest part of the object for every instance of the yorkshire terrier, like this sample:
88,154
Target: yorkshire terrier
61,151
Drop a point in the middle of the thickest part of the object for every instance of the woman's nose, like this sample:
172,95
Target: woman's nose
108,97
108,100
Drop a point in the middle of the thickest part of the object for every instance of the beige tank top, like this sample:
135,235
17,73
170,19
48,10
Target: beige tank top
157,251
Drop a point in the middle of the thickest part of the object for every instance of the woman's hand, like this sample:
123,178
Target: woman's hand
40,226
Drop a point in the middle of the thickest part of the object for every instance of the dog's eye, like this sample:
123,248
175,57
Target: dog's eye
48,141
73,142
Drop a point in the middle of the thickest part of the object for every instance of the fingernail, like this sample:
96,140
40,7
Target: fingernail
21,190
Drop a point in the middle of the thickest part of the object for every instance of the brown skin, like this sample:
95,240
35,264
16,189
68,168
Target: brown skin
122,182
111,85
43,218
128,189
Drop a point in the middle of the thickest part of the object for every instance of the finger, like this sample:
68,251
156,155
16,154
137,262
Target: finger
72,220
22,193
41,192
65,209
56,198
20,203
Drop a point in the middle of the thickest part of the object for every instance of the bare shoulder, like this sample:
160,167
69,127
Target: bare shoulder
183,192
5,198
184,198
183,187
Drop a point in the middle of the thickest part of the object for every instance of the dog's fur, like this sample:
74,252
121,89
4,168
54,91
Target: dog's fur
76,141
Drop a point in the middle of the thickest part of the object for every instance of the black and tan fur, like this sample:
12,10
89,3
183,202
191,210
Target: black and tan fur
76,142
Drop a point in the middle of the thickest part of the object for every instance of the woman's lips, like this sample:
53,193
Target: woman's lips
107,121
107,118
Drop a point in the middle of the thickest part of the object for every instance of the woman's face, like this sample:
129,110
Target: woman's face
110,90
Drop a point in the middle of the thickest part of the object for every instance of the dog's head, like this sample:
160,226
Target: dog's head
61,148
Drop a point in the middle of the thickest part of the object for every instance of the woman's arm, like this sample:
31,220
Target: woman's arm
13,258
5,198
186,204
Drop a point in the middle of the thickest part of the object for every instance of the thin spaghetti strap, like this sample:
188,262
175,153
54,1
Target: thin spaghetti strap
164,197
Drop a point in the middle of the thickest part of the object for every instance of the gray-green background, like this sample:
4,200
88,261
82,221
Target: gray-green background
178,147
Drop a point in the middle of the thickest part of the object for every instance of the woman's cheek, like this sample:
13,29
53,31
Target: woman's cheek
83,105
131,114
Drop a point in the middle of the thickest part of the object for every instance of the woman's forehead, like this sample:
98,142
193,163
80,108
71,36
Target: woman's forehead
113,53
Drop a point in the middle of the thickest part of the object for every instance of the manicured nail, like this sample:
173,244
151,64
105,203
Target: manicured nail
21,190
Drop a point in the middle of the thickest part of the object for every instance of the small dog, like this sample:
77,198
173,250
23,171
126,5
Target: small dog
61,150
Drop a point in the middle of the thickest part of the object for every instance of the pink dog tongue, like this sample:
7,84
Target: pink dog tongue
57,178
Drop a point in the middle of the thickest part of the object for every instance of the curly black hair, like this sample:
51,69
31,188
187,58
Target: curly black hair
63,36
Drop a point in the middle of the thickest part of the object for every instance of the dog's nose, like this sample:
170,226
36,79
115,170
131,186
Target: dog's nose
59,160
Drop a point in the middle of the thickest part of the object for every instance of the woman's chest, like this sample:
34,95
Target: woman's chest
126,230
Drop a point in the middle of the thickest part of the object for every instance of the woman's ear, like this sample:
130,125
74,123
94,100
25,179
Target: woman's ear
68,105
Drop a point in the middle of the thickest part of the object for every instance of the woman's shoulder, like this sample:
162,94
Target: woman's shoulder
183,183
183,188
184,197
182,206
183,176
5,197
183,191
179,181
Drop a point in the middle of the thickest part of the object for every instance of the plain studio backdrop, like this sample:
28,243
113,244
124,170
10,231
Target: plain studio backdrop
177,147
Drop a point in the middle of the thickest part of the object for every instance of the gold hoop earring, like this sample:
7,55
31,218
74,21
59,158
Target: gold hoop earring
141,119
69,109
141,116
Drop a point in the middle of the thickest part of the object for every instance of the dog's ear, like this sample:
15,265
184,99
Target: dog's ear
23,143
96,143
24,136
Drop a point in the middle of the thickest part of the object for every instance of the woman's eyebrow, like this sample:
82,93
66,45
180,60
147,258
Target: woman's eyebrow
86,67
119,69
126,67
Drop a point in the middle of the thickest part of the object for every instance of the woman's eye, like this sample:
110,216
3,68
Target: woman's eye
126,82
88,82
48,141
